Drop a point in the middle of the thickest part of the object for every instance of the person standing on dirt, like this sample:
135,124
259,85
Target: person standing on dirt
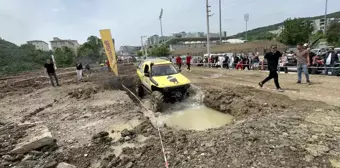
51,71
303,61
188,61
256,61
108,65
179,62
87,67
79,70
330,60
173,60
273,60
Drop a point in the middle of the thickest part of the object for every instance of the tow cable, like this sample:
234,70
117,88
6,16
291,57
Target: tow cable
159,132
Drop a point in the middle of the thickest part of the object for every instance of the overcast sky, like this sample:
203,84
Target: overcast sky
23,20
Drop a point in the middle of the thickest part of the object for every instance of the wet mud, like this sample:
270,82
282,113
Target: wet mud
96,124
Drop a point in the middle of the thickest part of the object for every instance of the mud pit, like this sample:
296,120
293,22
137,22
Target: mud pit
96,124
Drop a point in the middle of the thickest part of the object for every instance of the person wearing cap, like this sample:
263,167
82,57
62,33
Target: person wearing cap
273,60
303,61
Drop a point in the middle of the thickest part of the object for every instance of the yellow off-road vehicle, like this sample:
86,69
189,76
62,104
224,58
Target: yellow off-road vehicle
163,81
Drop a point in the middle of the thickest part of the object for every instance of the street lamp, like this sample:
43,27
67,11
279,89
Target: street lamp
246,18
160,20
220,15
144,48
208,26
324,29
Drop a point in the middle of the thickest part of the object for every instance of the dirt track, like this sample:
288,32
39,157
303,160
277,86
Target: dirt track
297,128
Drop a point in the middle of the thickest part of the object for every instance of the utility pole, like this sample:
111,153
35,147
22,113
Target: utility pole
324,30
161,24
143,47
220,12
160,20
208,27
246,18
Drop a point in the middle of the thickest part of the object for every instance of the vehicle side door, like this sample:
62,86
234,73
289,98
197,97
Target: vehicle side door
146,80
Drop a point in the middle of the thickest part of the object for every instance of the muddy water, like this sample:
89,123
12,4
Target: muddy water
197,118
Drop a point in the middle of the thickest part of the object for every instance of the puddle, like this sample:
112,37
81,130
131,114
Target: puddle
196,118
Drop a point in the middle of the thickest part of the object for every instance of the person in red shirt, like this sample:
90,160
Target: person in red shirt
188,61
209,61
179,62
108,65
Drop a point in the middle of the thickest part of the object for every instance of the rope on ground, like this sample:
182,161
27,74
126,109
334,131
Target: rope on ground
159,132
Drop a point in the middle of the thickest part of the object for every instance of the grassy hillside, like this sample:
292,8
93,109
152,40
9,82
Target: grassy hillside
264,29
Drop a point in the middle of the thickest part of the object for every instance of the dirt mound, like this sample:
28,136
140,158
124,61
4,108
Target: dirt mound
241,101
233,101
83,93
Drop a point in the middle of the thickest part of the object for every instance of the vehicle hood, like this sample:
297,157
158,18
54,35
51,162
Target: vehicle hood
171,80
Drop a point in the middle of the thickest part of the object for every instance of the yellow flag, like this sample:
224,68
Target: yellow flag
109,49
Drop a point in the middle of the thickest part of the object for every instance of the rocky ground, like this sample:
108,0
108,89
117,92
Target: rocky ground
95,123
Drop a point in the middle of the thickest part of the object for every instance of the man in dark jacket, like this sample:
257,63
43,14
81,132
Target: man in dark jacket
273,60
51,71
330,60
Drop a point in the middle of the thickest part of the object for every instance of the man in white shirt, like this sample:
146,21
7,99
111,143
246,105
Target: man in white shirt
220,61
331,59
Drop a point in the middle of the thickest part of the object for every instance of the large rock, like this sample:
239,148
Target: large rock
65,165
35,138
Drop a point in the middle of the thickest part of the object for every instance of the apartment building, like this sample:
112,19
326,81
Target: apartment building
131,50
59,43
39,45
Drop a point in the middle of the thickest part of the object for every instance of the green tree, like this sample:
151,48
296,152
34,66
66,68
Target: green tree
265,36
333,33
295,31
92,49
15,59
64,57
317,35
140,53
159,51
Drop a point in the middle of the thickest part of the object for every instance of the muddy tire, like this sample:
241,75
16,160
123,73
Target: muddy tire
156,101
139,89
187,94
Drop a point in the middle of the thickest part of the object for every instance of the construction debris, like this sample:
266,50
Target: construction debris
37,137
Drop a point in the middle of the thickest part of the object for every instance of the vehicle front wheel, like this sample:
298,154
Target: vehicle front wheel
157,99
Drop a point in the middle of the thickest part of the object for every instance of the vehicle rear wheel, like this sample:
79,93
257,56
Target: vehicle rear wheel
139,89
157,99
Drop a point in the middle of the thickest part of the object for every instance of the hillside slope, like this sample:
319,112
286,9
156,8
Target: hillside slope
14,59
265,29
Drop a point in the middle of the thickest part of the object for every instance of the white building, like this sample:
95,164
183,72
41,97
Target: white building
197,34
319,24
39,45
59,43
156,39
130,50
194,34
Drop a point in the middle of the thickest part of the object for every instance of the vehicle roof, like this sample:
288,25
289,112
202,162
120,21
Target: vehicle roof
157,61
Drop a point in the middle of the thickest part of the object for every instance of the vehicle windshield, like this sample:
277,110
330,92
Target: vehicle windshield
163,69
